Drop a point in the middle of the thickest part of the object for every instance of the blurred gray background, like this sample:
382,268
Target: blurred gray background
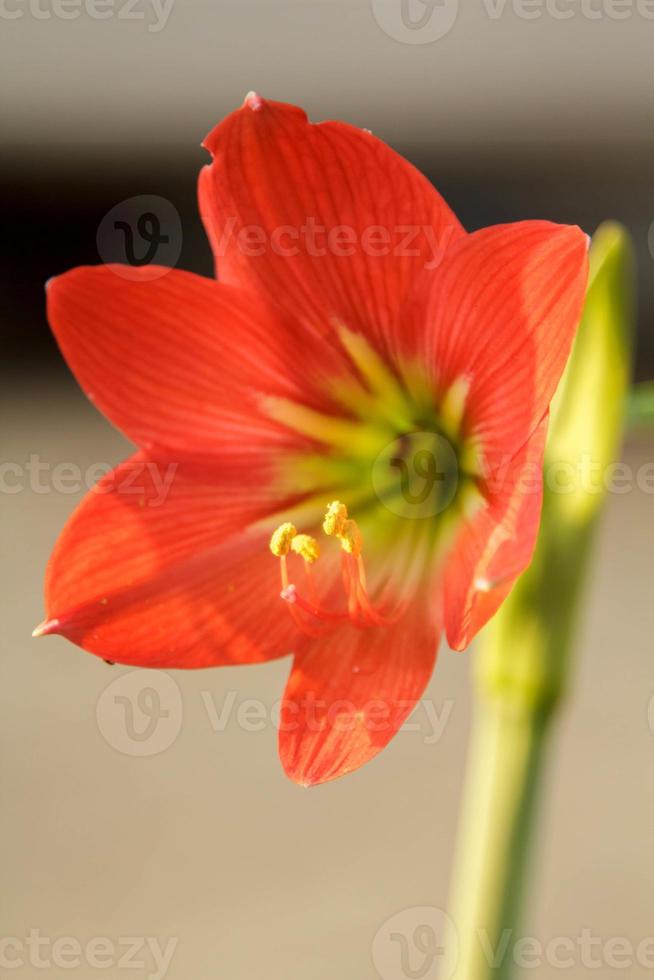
203,843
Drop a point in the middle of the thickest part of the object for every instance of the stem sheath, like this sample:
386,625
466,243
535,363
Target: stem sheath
522,665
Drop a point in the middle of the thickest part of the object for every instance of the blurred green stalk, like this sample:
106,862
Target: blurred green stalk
522,663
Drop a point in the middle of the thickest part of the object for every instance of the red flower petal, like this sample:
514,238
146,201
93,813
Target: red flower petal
503,308
179,361
156,568
494,548
324,218
350,692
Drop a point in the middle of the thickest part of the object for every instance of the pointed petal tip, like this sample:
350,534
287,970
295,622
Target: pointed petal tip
253,101
300,779
303,783
311,779
46,627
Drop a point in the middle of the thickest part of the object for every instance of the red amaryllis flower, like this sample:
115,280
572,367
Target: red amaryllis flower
364,392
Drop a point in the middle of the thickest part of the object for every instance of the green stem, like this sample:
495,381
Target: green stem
507,747
523,663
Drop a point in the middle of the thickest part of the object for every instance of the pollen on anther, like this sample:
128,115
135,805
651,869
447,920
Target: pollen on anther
281,539
335,519
306,547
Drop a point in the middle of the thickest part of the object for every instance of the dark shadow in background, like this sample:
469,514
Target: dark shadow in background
51,215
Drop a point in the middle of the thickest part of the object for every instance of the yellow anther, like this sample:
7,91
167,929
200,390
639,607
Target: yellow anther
335,519
306,547
338,525
351,540
281,540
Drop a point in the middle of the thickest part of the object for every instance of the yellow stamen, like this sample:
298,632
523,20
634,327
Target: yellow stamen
335,519
337,524
360,610
307,547
281,540
351,540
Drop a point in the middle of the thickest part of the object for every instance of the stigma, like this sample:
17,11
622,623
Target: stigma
307,608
